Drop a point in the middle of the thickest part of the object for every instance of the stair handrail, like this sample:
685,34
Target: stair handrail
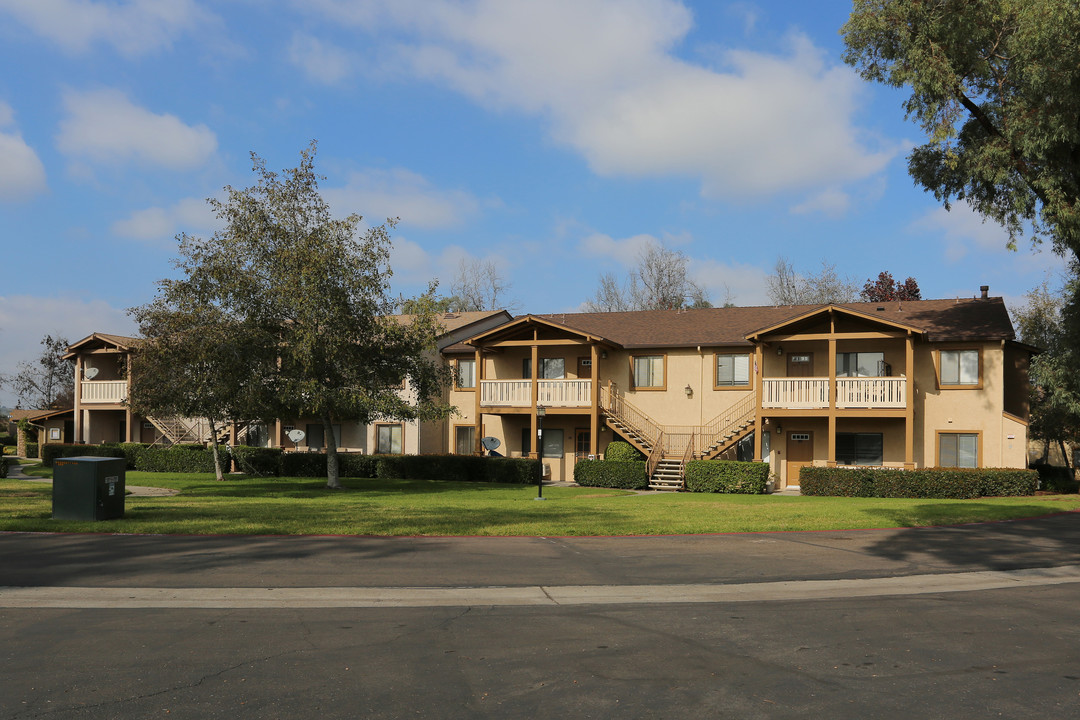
688,455
629,415
656,454
722,425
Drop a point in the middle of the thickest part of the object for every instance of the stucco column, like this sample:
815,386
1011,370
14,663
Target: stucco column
478,418
830,459
909,403
594,411
759,419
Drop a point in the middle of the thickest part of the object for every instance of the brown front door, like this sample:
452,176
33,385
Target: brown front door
800,452
800,364
584,368
581,444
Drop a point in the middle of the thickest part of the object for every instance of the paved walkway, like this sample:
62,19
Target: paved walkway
15,473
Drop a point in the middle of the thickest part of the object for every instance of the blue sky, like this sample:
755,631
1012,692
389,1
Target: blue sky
552,138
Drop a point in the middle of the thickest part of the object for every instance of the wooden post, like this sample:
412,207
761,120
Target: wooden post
909,409
594,408
759,420
78,399
535,396
830,459
478,417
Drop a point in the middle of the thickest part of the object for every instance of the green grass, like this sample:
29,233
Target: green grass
302,506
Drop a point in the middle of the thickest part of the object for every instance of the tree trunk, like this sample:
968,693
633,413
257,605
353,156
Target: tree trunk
333,474
1065,456
214,447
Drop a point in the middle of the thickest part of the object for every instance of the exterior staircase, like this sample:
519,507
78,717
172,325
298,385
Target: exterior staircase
176,430
668,449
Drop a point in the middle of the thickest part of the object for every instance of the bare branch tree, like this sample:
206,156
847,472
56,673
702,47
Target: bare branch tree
788,287
659,282
479,286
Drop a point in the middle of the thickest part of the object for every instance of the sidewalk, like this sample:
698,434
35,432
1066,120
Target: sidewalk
15,473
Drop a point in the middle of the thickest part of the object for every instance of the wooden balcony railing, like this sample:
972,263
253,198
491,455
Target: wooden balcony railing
810,393
103,391
886,392
550,393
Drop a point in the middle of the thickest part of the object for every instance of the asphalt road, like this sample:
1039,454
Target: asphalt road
943,651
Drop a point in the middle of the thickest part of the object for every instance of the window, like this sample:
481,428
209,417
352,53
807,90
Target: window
553,443
959,367
958,450
859,448
550,368
465,439
466,374
648,372
732,370
861,364
388,439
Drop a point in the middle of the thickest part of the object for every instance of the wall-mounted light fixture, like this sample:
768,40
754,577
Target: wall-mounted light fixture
779,349
779,430
603,354
689,391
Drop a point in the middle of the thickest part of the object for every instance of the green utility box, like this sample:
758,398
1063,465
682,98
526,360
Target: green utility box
88,488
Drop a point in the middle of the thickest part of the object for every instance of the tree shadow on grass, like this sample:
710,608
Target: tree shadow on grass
1002,545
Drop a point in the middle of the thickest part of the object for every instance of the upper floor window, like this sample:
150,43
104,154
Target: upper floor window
550,368
648,372
861,364
732,370
466,374
959,367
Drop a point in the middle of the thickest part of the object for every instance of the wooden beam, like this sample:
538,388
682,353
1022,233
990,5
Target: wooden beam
533,343
868,335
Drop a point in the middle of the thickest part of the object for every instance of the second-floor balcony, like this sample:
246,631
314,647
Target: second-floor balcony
103,391
813,393
550,393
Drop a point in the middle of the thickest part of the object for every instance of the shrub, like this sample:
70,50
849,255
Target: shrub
930,483
620,451
131,452
625,474
51,451
314,465
31,450
175,459
357,465
1057,479
727,476
263,462
3,467
462,468
11,449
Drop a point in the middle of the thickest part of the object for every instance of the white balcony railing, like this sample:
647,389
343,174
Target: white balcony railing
885,392
103,391
799,393
812,393
551,393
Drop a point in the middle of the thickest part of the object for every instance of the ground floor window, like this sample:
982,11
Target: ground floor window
958,450
465,439
388,439
553,443
859,448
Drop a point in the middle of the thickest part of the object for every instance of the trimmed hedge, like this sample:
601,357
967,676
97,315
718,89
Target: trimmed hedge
3,467
52,451
263,462
175,459
727,476
31,450
462,468
620,451
624,474
929,483
314,465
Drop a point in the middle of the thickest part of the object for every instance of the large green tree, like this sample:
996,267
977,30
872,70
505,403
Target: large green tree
284,267
995,85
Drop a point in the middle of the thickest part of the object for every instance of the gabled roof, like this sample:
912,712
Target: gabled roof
938,320
534,321
822,311
120,342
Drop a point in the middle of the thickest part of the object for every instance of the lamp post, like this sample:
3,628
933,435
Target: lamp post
540,412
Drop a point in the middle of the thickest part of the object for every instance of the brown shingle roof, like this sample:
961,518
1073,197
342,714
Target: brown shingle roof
940,320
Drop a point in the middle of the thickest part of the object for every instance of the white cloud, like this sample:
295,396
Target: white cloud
612,88
105,126
831,202
322,61
25,319
22,175
400,193
163,223
134,28
741,284
625,251
963,229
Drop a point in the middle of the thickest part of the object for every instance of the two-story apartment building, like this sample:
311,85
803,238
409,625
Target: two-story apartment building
912,384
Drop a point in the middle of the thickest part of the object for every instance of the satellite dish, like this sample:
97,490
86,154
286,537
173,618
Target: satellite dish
296,435
90,373
490,443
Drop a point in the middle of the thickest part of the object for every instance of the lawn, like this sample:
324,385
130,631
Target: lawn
303,506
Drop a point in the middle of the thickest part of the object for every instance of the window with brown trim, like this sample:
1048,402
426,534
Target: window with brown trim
959,368
647,372
732,370
464,439
388,440
958,450
465,376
